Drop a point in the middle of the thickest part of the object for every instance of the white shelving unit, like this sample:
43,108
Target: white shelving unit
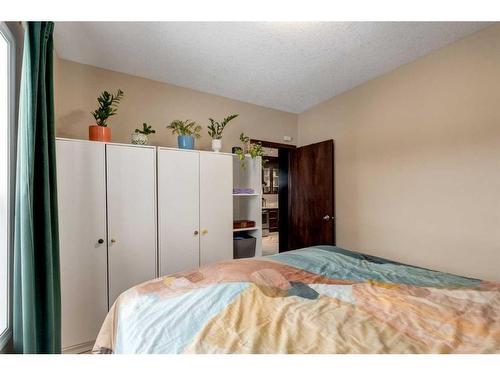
249,206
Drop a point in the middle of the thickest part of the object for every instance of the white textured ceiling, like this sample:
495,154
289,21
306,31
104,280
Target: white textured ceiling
290,66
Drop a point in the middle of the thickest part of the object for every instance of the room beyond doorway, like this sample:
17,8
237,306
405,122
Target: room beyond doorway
275,196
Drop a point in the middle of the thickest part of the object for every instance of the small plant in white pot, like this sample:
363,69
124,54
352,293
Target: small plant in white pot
141,136
215,130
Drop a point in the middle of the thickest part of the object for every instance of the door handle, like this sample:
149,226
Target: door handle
326,218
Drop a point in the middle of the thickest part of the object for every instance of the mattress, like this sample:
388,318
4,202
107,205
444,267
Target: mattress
315,300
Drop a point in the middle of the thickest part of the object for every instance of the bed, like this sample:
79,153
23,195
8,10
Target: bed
316,300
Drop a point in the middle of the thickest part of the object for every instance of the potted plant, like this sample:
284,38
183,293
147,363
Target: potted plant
186,131
215,130
247,148
140,136
108,104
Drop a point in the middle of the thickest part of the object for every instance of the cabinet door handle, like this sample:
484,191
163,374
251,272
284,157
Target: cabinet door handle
326,217
100,241
204,231
113,240
195,232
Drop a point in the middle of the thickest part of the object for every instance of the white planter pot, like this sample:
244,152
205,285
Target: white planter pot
216,145
139,139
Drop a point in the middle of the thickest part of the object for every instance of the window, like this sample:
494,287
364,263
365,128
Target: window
7,78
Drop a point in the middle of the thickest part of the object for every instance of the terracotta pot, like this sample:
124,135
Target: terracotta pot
99,133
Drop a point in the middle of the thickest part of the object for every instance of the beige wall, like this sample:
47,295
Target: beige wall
417,155
77,87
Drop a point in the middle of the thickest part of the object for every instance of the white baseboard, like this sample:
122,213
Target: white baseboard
79,349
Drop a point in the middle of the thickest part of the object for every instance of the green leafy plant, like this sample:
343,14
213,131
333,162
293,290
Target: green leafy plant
186,127
108,105
248,148
146,129
215,128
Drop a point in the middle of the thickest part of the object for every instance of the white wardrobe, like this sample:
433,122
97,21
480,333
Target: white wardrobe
129,213
195,208
107,230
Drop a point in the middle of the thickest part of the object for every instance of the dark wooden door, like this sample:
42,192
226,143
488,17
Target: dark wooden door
311,196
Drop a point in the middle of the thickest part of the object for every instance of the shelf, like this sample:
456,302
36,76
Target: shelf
245,229
246,195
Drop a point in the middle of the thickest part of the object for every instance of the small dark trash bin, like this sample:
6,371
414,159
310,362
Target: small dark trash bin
243,246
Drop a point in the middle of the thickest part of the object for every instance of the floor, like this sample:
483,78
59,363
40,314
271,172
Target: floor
270,244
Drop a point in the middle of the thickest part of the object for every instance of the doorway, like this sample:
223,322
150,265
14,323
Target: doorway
305,176
275,236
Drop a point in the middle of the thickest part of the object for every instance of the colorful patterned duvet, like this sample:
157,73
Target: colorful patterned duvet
314,300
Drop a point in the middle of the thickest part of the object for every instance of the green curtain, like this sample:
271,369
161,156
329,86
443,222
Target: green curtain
37,296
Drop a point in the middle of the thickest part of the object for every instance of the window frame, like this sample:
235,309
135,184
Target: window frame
5,32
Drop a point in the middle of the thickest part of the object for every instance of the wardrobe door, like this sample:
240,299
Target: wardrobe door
216,207
178,210
131,199
81,188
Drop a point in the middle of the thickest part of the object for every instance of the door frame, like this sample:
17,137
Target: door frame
283,202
